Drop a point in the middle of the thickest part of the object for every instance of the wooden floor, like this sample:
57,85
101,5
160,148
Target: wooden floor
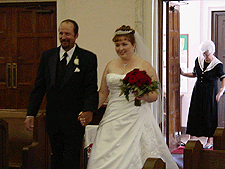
185,137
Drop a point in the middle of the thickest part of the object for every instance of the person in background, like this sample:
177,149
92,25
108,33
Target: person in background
127,134
68,75
203,110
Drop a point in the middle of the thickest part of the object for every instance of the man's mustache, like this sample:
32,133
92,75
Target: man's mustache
64,40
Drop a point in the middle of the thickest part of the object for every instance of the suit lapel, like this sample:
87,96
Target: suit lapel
53,66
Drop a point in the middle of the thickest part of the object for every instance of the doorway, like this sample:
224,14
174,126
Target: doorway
26,30
218,34
169,50
198,30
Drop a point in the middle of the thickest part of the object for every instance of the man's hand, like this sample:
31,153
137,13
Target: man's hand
29,123
85,118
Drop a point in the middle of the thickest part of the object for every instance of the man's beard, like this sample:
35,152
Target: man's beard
67,46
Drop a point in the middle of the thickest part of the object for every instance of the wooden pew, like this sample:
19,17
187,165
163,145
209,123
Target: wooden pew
18,135
219,139
4,163
195,157
154,163
38,153
25,147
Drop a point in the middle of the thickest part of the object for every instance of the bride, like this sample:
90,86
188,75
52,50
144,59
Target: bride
127,135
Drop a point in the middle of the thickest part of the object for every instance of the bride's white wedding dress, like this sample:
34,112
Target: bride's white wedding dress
127,134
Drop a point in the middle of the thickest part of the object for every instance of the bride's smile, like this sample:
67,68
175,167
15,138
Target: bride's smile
124,48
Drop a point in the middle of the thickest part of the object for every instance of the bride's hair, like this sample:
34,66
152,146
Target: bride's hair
124,31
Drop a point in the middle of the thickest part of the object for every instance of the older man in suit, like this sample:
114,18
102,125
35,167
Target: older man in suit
68,76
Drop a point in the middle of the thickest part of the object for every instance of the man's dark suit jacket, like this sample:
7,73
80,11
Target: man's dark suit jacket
68,96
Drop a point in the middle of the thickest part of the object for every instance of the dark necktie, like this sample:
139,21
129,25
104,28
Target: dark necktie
63,61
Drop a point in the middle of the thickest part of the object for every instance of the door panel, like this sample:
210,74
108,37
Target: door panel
33,30
218,36
173,74
5,55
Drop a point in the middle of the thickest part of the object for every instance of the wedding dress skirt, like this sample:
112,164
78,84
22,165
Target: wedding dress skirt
127,135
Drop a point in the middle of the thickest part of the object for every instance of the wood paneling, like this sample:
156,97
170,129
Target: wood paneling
27,30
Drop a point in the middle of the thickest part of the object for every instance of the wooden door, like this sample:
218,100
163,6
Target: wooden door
5,55
173,74
27,29
218,36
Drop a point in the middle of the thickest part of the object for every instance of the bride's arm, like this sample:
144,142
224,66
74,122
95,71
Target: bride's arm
103,92
151,96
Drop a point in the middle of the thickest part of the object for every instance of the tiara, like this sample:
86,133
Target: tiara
120,32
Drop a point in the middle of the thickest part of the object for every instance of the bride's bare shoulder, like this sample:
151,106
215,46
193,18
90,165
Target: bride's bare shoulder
148,68
145,64
112,64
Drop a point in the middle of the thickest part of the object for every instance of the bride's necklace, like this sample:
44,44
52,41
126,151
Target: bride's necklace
125,64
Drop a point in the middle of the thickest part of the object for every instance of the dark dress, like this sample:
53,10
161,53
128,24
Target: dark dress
203,111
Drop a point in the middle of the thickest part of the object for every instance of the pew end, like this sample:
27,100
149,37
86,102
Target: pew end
38,153
154,163
219,139
195,157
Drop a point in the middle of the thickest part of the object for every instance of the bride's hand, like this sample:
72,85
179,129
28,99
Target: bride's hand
148,97
142,97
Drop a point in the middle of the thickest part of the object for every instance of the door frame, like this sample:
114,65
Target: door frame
160,57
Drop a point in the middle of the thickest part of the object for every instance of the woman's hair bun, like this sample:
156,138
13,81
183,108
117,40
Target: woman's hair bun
125,28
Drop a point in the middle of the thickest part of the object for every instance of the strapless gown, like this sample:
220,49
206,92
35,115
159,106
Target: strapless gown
127,135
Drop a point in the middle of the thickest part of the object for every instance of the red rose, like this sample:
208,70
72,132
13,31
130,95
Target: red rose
132,80
129,75
140,79
149,81
141,82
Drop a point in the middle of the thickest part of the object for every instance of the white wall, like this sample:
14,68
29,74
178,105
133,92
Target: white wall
195,20
190,24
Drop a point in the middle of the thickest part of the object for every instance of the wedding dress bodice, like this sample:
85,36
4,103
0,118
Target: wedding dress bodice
114,81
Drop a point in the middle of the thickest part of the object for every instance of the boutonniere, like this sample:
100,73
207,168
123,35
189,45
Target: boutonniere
76,61
77,69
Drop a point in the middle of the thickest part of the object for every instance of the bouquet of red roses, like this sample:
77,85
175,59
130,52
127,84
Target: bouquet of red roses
139,82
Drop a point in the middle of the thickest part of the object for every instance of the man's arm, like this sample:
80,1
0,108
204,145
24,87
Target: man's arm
90,85
90,93
36,96
38,92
